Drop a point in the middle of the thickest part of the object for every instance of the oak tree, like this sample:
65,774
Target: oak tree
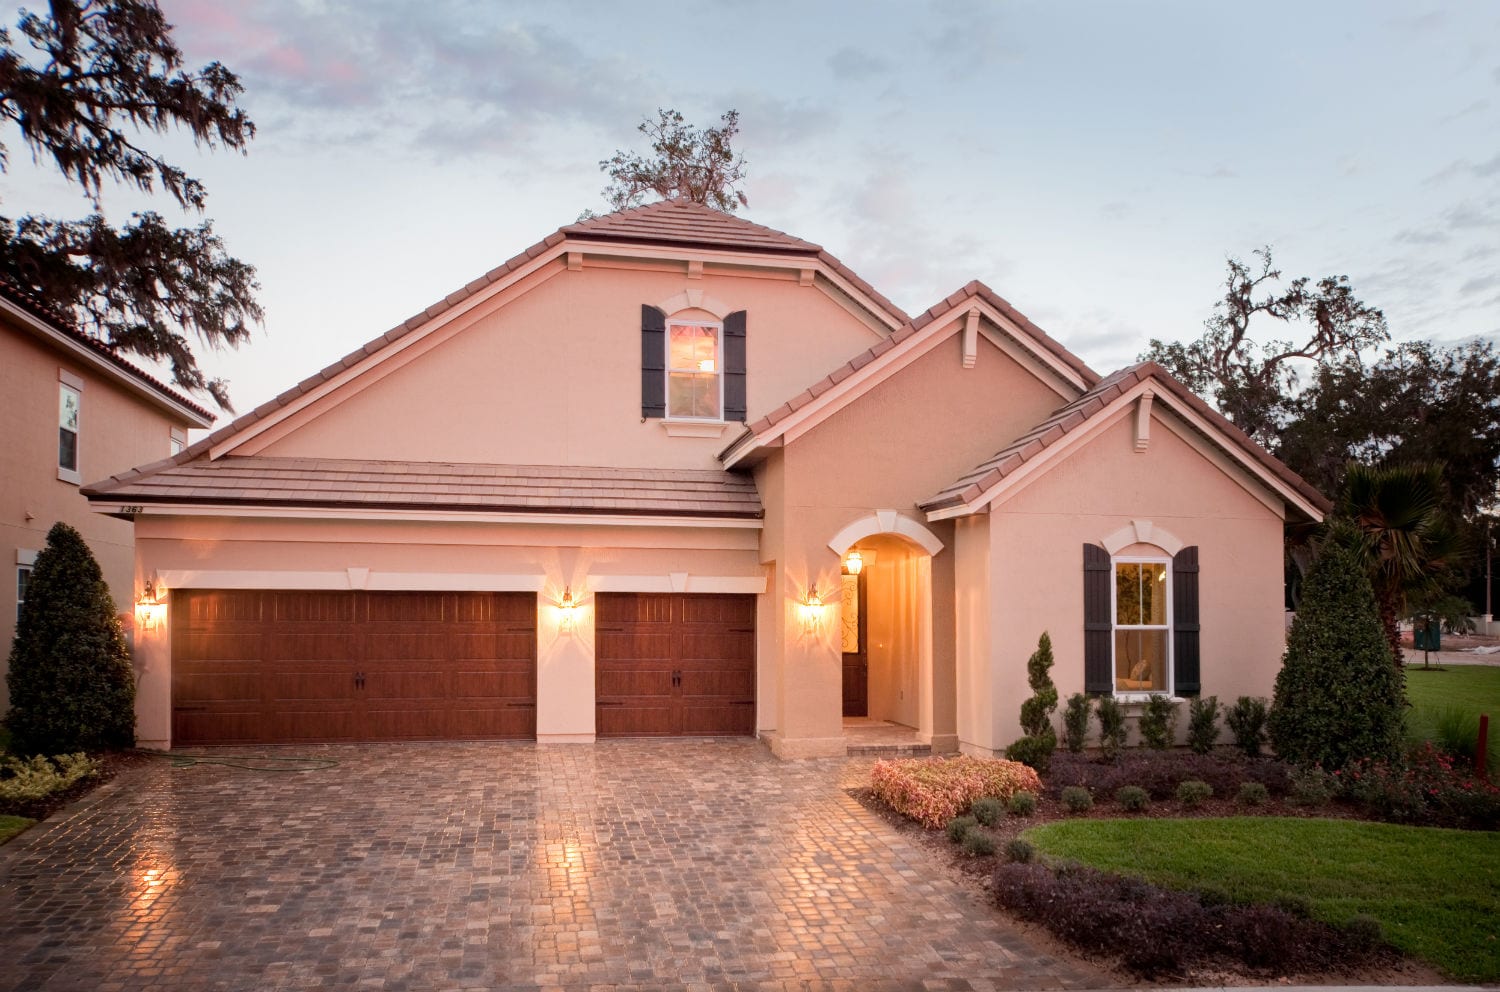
696,164
87,85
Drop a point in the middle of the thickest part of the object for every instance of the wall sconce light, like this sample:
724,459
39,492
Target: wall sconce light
150,611
567,611
855,563
811,609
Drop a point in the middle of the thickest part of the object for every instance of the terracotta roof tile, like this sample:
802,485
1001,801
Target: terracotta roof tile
1079,412
265,481
65,326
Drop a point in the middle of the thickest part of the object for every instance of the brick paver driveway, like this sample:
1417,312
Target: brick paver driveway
697,864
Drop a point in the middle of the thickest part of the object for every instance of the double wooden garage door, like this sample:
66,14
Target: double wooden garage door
280,667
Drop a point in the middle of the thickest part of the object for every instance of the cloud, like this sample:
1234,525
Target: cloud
1412,236
1479,284
851,64
766,121
966,35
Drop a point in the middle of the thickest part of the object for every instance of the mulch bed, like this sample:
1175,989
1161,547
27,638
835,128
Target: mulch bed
111,763
1377,966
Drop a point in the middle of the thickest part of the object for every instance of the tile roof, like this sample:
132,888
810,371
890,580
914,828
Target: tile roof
1079,412
325,482
972,290
681,221
64,325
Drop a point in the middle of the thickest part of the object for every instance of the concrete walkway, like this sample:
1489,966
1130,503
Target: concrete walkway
671,865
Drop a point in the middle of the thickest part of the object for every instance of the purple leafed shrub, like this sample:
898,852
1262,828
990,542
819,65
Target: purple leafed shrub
1161,932
1161,772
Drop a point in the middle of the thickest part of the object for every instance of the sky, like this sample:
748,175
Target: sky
1093,162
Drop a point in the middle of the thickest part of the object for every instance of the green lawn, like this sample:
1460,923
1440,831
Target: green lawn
1467,689
12,825
1433,891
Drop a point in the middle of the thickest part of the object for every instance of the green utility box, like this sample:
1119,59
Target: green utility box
1427,633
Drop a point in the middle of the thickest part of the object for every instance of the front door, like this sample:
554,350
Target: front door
856,659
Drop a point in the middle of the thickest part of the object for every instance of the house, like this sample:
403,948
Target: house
74,410
669,472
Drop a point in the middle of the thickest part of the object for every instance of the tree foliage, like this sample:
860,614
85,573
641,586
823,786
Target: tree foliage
1339,697
1391,519
71,684
96,77
1417,402
697,164
1250,380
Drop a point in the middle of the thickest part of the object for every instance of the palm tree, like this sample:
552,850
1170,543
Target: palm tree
1392,517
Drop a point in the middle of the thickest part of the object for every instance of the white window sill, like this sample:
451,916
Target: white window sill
1143,697
694,428
70,475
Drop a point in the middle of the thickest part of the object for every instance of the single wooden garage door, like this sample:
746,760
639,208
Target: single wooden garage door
670,665
285,667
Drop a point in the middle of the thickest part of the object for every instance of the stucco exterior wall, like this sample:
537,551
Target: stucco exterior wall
117,431
1036,578
898,443
205,552
553,376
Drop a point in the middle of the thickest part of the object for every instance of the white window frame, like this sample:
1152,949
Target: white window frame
1115,625
25,560
178,441
718,329
68,382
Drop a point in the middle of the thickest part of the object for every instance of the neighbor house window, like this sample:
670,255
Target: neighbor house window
23,579
179,440
1142,627
69,401
694,383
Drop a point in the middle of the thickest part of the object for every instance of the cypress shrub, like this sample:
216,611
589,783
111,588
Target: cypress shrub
71,684
1076,721
1203,724
1035,749
1339,695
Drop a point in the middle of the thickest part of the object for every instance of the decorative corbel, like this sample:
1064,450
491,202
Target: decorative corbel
1143,421
971,338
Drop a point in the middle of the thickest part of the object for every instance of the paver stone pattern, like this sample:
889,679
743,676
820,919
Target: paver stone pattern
632,864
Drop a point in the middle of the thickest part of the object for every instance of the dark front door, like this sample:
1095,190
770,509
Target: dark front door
856,658
284,667
674,665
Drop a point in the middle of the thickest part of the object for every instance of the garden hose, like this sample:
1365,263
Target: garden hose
249,762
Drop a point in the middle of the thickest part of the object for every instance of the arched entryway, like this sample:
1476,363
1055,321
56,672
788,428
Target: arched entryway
885,627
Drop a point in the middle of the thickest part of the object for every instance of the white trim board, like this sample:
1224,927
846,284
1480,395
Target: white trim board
122,509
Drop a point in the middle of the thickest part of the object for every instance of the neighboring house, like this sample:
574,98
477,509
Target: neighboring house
602,489
74,410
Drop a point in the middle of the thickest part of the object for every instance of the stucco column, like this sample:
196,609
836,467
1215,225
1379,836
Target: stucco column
564,673
810,723
151,656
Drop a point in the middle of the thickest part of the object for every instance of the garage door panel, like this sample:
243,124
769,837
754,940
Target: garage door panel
488,646
720,611
312,607
674,664
719,720
282,667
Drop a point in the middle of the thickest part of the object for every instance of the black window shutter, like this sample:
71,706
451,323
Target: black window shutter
1185,622
1098,625
653,362
734,366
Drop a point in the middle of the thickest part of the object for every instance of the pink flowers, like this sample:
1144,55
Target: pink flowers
933,791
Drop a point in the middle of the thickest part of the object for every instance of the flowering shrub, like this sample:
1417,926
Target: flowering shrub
1429,788
933,791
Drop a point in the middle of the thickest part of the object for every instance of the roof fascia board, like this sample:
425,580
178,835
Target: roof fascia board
1044,355
343,580
1121,406
101,364
123,509
390,358
1066,387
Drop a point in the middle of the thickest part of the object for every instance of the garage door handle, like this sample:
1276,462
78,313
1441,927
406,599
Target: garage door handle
359,680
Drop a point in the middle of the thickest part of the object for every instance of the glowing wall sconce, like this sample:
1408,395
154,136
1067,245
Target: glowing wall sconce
150,610
567,611
854,563
811,610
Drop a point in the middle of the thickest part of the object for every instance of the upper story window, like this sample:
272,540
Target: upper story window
179,440
23,579
69,404
1142,627
694,383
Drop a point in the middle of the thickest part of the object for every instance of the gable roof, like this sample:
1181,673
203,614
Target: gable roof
672,223
349,483
48,322
980,486
870,362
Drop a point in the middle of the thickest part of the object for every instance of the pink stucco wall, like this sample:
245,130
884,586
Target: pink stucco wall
1035,540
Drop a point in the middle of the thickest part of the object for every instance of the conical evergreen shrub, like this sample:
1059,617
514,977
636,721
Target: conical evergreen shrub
1339,696
71,684
1035,749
